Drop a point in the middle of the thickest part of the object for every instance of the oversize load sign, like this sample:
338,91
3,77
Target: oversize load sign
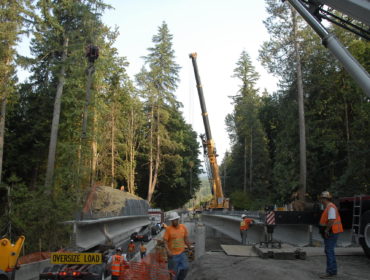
76,258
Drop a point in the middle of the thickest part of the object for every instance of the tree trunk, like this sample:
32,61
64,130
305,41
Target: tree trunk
302,129
251,163
94,147
131,179
245,166
150,155
112,150
90,71
157,158
347,131
2,132
55,122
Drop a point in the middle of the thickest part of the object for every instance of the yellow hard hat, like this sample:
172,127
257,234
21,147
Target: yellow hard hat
325,194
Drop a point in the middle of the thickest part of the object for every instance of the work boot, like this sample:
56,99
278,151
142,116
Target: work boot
327,275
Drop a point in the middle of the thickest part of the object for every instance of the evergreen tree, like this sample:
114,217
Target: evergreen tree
281,54
249,144
331,103
158,85
12,19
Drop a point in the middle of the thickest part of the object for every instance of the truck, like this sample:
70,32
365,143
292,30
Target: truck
156,217
218,200
89,265
9,254
354,212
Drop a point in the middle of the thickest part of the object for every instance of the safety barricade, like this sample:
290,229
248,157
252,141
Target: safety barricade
152,267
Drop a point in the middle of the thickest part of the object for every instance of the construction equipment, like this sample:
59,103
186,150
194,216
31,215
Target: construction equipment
9,254
309,10
218,200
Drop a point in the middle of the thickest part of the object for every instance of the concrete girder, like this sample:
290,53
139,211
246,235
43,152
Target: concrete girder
229,226
298,235
113,230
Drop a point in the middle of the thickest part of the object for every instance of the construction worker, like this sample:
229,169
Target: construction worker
176,238
142,250
131,250
244,226
330,227
117,262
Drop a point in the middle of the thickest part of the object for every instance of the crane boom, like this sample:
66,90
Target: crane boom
358,9
353,67
218,196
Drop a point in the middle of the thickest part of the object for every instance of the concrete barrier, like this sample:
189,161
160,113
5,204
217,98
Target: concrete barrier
31,271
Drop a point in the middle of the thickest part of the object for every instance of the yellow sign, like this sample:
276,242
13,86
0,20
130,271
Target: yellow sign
76,258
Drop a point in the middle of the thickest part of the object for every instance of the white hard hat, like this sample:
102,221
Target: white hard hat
173,216
325,194
243,216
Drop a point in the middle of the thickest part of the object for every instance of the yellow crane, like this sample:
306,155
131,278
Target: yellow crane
9,254
218,200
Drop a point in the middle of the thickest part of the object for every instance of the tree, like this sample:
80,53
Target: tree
12,18
247,136
281,54
57,18
158,85
335,109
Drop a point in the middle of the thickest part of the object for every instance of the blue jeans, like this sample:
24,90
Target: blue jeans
179,264
331,263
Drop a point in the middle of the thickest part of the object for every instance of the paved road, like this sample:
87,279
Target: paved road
218,266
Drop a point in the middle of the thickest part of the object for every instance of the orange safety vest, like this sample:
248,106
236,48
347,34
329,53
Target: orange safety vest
244,225
117,264
142,249
337,226
131,247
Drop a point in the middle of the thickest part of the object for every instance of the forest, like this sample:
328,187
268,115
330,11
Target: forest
309,136
79,120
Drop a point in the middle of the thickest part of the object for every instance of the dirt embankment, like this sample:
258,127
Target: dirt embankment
108,200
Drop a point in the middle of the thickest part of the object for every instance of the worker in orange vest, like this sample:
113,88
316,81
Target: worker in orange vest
175,240
131,250
330,227
142,250
117,262
244,226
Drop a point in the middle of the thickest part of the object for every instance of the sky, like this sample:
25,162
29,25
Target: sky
217,30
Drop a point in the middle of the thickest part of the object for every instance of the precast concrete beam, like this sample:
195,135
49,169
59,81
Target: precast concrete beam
112,231
298,235
229,226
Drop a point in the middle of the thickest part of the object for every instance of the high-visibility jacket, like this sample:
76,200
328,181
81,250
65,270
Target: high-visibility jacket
244,225
142,248
131,247
337,226
117,265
